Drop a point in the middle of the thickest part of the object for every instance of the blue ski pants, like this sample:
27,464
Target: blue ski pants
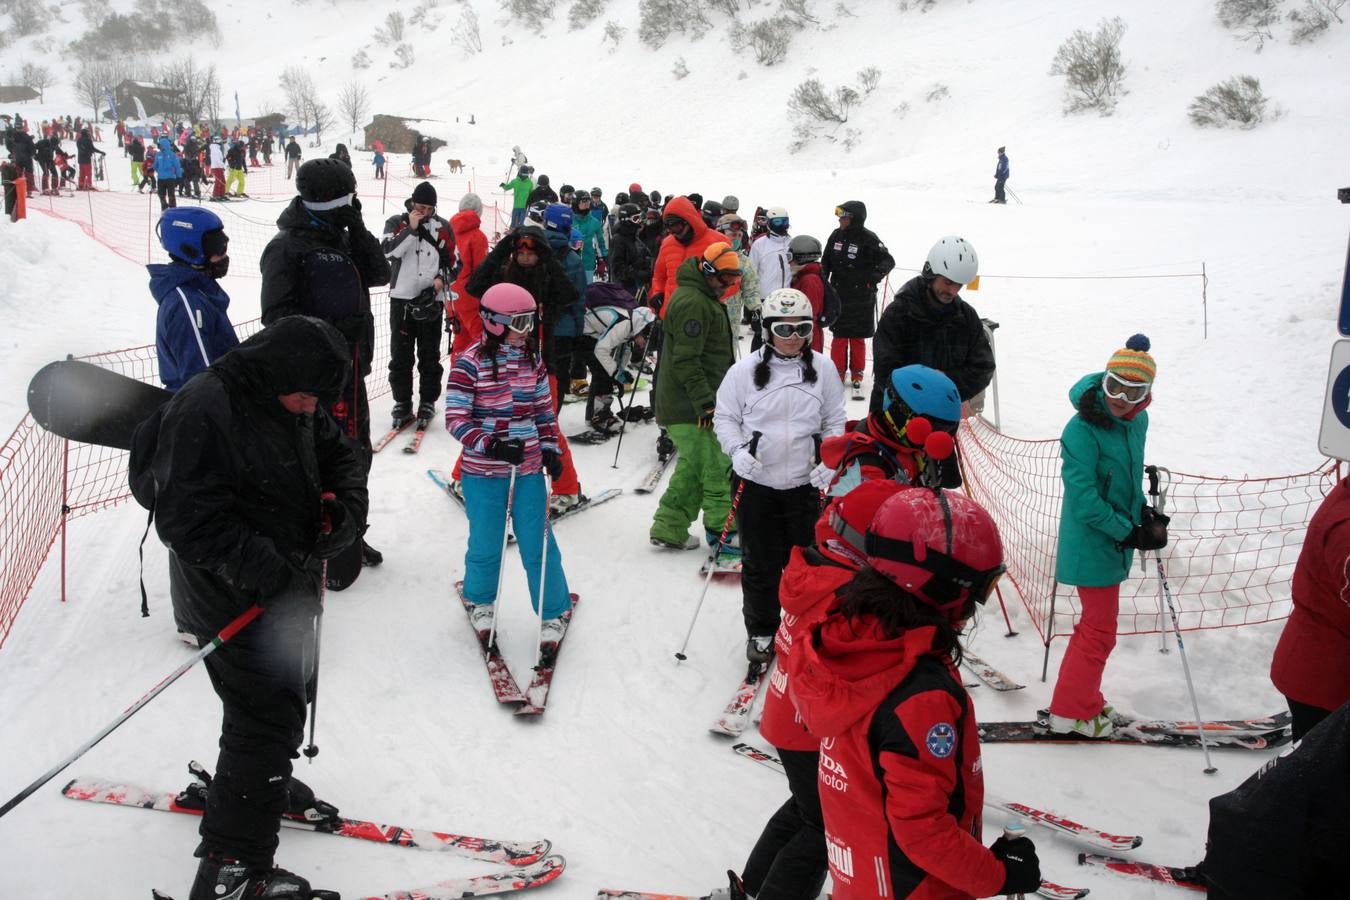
485,503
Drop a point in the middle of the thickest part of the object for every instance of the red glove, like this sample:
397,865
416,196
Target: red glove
602,269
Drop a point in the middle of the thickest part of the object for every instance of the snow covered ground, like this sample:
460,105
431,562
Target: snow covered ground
621,773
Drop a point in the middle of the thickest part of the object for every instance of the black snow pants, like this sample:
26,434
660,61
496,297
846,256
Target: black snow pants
409,337
788,861
771,522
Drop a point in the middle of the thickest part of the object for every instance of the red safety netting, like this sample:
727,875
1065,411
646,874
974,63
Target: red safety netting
45,480
1234,541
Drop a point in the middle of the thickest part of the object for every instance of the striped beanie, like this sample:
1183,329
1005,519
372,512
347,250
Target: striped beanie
1132,362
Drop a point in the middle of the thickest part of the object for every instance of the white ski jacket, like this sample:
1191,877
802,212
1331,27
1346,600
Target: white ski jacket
769,256
612,327
786,413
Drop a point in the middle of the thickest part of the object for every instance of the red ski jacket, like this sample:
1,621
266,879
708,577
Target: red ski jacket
901,785
808,281
1312,659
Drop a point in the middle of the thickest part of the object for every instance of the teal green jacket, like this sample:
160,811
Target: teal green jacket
1103,475
522,186
696,349
592,235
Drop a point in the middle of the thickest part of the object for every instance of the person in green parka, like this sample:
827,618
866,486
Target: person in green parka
1102,449
695,355
521,185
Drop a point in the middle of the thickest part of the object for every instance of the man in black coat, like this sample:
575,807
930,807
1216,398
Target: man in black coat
323,262
855,261
931,325
22,150
84,156
253,485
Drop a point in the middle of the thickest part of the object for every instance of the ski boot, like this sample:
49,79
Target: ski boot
735,889
730,548
578,387
402,414
561,503
303,806
1099,726
759,649
425,412
690,543
603,420
369,555
664,446
225,878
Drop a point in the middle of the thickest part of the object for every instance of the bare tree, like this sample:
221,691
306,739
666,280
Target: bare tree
465,33
1249,20
39,78
91,84
1237,102
353,104
192,86
1092,68
392,30
321,116
299,90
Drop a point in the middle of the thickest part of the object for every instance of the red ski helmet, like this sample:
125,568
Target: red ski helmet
939,546
502,304
841,533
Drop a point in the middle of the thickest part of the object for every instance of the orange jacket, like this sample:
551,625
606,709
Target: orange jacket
672,252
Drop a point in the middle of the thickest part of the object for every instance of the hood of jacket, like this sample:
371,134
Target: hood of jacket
294,353
1090,403
859,210
541,237
916,303
686,210
166,277
296,216
847,667
464,222
690,275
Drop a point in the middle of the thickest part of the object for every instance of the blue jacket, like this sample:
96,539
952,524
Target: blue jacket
180,356
166,161
1003,170
570,320
1103,475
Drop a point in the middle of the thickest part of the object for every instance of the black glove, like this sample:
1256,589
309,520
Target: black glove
511,450
553,464
339,530
1023,869
705,417
655,301
1150,533
293,587
349,217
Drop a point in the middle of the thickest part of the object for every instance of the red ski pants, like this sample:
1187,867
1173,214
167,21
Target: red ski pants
849,355
1078,690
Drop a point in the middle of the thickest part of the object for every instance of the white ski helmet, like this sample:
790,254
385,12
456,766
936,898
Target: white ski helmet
784,303
954,259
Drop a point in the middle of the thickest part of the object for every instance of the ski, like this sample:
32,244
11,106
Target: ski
858,391
416,443
389,436
988,674
1047,889
1259,725
725,565
1085,833
652,479
501,882
536,695
590,437
1060,891
1139,732
732,720
518,853
763,757
442,480
504,685
1178,876
603,497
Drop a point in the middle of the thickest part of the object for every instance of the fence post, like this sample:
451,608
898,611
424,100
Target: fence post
1049,631
65,509
1204,298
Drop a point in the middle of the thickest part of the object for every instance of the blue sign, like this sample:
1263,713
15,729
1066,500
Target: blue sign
1344,323
1340,396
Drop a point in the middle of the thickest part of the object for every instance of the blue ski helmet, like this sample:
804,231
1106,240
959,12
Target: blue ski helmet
920,391
558,217
182,229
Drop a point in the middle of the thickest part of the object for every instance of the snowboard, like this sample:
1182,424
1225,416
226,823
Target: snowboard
90,404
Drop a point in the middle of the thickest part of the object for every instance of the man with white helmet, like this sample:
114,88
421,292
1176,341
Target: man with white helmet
929,324
769,253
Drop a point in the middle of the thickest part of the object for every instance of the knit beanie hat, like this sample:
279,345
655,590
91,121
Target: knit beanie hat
471,202
1132,362
425,194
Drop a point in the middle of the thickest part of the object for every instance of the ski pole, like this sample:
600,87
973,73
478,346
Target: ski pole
717,552
1176,627
543,567
623,416
325,527
501,560
226,633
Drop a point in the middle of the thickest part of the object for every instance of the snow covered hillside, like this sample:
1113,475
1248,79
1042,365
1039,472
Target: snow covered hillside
621,773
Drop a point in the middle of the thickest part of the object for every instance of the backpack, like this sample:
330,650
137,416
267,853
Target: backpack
602,293
833,305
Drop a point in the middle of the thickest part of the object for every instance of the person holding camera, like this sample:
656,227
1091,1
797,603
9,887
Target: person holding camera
1104,519
420,248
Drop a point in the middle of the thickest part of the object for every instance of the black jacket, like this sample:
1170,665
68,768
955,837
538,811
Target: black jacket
630,260
915,328
547,282
237,478
285,292
85,149
855,261
22,149
542,192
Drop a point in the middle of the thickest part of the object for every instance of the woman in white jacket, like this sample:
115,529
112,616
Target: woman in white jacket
773,409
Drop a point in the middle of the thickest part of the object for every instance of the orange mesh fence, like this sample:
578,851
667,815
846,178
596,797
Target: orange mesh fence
1234,541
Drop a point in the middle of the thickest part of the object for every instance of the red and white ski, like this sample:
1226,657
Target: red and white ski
736,716
1085,833
536,695
389,436
988,674
416,443
1177,876
504,685
517,853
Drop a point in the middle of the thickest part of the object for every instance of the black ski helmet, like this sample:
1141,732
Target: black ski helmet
323,180
804,249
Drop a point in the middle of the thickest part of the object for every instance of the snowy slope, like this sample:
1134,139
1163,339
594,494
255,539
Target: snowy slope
620,772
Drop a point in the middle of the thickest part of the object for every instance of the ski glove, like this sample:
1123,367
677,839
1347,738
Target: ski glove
745,464
705,417
511,450
553,464
339,530
601,269
1022,868
1150,533
822,476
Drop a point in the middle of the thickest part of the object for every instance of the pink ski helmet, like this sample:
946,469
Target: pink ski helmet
506,306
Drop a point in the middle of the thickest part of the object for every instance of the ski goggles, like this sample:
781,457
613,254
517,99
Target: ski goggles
635,219
841,213
731,226
522,323
792,329
527,245
1118,388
